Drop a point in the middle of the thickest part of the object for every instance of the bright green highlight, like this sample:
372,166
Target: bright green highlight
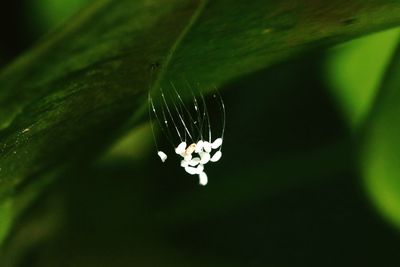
355,69
381,168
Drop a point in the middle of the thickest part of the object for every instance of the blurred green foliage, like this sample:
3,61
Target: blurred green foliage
357,73
355,70
381,147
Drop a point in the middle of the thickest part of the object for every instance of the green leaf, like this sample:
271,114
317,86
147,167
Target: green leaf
355,70
69,97
231,39
381,146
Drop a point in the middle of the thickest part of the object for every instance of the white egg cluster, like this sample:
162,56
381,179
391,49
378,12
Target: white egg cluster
189,125
197,155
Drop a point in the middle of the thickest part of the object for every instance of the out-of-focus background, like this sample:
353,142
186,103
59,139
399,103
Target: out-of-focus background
289,190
